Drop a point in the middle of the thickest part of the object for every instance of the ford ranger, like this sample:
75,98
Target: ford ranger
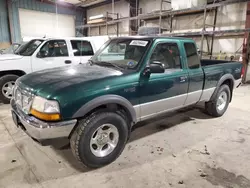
128,80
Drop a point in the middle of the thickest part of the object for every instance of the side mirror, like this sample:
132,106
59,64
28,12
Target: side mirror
41,54
16,46
198,51
156,67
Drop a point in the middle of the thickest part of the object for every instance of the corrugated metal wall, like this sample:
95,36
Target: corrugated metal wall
35,5
4,28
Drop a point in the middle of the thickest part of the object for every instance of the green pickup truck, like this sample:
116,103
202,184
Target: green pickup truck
130,79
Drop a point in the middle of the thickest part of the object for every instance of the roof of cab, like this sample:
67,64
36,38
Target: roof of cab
123,37
154,37
73,38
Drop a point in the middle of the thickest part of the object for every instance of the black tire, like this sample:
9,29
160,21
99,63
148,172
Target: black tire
81,137
211,106
3,80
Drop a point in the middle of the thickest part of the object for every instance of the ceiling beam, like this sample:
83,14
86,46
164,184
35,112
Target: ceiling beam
89,4
86,3
60,3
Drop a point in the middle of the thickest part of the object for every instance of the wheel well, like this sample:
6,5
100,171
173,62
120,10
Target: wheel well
113,107
230,84
110,107
15,72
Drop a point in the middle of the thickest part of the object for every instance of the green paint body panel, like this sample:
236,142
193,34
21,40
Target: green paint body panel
74,86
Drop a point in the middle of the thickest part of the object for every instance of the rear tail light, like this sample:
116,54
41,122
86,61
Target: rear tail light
242,71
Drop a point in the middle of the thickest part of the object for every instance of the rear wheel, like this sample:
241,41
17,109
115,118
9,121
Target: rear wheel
99,139
7,84
218,106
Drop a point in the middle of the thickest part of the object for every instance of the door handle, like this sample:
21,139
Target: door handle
183,79
67,61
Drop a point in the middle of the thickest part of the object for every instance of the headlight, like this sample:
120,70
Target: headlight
45,109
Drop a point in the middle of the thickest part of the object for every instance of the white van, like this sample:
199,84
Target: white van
44,53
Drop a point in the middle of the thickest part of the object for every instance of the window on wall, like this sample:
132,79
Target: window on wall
55,48
167,54
82,48
193,59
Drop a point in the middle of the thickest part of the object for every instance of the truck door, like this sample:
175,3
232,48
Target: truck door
82,51
195,74
53,53
168,90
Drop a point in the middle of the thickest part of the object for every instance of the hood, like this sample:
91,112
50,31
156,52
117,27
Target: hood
49,81
10,57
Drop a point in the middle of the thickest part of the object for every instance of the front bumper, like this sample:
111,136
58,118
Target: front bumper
40,130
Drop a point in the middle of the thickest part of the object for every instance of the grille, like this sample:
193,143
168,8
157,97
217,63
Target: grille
23,99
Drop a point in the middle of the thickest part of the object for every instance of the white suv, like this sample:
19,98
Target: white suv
39,54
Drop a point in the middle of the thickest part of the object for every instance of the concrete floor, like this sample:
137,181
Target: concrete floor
184,149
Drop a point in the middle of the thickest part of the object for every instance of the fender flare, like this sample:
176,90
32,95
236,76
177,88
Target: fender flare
223,79
106,99
15,72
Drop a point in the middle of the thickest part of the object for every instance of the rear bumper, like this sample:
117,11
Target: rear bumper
237,83
39,130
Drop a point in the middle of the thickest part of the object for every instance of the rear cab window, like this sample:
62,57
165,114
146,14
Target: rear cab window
82,48
193,60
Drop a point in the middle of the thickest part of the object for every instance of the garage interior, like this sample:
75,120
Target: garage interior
185,148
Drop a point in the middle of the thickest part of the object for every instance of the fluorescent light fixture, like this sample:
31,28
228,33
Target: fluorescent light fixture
87,3
96,17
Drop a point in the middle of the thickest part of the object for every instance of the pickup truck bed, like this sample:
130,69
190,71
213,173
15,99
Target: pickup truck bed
215,70
208,62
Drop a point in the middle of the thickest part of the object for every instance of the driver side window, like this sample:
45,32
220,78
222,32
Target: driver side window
54,48
168,55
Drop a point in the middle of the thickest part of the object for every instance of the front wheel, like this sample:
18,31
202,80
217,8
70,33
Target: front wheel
99,139
7,84
219,105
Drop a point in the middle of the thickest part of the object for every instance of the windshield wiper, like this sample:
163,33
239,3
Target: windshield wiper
106,63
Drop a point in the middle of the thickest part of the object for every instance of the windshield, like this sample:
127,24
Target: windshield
124,53
29,48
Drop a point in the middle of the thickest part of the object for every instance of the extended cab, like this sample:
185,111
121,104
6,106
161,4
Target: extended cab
127,81
39,54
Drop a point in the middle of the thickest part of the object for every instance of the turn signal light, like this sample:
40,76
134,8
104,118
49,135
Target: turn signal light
45,116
